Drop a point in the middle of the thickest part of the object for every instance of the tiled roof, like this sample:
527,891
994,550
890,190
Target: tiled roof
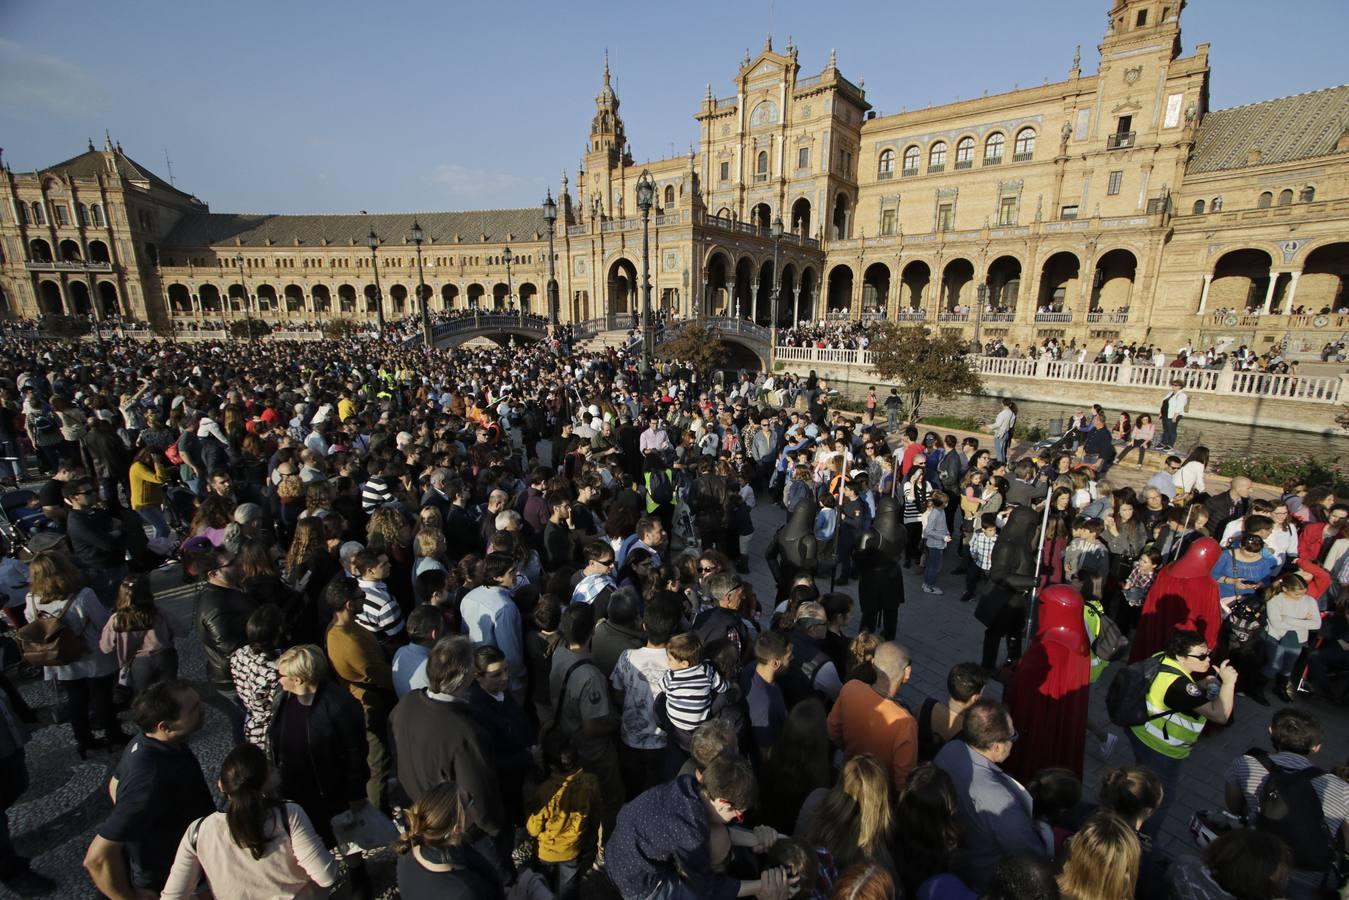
481,226
90,164
1283,130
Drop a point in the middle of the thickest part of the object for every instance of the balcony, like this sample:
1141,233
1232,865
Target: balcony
1108,317
1122,140
931,170
948,315
760,177
908,173
1053,317
911,315
964,164
992,160
1023,157
1000,317
885,175
47,265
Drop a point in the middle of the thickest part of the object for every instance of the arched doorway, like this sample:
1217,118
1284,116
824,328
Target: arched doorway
528,291
371,298
842,218
501,296
622,287
1321,286
107,299
800,225
876,290
448,294
209,295
80,301
1240,280
267,301
787,298
50,301
763,295
238,298
809,289
39,250
957,285
475,293
839,298
1112,284
322,299
180,299
98,252
742,302
718,299
294,295
762,216
1004,284
399,295
70,252
346,298
1057,279
914,281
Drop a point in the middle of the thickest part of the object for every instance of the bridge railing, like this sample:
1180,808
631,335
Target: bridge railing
1228,382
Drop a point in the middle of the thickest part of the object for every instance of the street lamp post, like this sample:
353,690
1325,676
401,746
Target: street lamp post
372,240
979,309
646,198
508,256
417,236
777,280
550,216
243,283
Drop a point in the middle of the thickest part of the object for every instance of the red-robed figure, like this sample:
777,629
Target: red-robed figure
1183,596
1049,693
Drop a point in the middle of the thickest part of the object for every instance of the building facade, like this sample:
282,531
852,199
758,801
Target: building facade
1106,205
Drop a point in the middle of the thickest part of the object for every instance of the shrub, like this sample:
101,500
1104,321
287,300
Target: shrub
339,329
239,329
1279,471
959,423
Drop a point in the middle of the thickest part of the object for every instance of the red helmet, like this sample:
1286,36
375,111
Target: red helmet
1199,560
1060,606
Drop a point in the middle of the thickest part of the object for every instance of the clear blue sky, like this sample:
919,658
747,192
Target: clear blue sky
307,106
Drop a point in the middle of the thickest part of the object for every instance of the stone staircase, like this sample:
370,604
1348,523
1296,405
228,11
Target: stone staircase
602,341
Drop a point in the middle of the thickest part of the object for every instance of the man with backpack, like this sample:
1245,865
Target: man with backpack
1284,794
1164,727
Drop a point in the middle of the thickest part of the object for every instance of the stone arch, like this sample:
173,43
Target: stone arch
475,293
1112,283
1240,280
914,282
621,287
800,224
842,217
876,289
1004,283
81,304
782,316
267,299
180,299
50,300
209,297
448,294
839,297
70,251
322,299
39,250
346,299
501,296
294,297
238,297
107,299
762,216
372,298
957,284
718,299
398,293
1324,275
1058,277
526,293
98,252
806,310
742,300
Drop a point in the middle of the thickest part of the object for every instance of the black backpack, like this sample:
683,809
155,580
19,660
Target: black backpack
658,483
1110,642
1126,700
1290,810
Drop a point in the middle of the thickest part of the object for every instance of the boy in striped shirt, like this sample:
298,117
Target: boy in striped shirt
379,611
691,686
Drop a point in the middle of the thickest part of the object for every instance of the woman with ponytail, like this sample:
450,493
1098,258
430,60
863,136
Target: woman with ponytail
259,847
434,860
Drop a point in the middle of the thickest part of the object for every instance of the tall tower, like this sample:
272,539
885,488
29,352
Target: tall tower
606,151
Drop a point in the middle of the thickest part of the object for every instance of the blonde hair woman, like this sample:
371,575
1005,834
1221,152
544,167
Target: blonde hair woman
854,820
433,858
57,589
1103,859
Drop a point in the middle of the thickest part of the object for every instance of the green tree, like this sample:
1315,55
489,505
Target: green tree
697,346
66,328
339,329
246,329
924,367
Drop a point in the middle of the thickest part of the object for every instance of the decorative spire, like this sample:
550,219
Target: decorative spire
745,61
709,92
606,66
791,47
1076,71
107,141
833,58
768,43
91,145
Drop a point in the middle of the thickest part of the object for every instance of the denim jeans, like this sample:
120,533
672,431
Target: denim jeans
1167,769
1169,427
933,567
1000,443
154,517
1279,660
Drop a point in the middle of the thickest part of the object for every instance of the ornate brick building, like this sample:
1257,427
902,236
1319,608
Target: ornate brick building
1113,204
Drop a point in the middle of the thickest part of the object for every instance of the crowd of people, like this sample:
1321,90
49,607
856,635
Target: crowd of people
502,596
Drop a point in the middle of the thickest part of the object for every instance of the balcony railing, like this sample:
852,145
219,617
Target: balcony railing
1023,157
940,167
964,164
948,315
911,315
1236,320
1122,140
992,160
50,265
1053,317
885,174
909,173
1112,317
999,317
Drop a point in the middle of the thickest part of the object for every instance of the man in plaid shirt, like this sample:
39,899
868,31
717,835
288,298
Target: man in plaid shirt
981,551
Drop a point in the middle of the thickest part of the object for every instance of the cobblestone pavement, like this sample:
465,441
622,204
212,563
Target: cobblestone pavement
54,822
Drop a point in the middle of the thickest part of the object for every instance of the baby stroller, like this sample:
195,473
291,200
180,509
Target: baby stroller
19,521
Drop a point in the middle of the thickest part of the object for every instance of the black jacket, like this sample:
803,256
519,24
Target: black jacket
96,539
221,616
337,749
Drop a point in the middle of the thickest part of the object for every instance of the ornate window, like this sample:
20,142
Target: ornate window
1025,144
95,214
1199,207
993,148
669,195
936,157
1308,194
761,166
885,164
911,161
965,153
1266,200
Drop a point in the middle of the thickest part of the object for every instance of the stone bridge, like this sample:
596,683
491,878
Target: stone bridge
751,345
499,327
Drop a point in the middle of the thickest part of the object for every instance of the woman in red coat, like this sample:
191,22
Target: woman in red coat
1183,596
1049,694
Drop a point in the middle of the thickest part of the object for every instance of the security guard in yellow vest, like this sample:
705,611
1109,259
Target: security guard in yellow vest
1091,615
1178,708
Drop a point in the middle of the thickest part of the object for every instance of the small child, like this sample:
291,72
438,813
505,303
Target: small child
379,612
564,814
691,686
1086,558
802,866
981,552
1139,581
935,536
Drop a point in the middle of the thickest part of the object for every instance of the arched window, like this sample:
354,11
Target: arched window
1308,194
911,161
39,215
669,195
1199,207
1216,205
965,153
993,148
81,214
95,214
1286,197
761,166
885,164
1266,201
1025,144
936,157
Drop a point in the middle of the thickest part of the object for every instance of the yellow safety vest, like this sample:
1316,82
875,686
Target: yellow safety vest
1091,615
1170,733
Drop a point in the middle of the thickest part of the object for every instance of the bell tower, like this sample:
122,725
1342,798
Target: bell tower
1132,24
607,148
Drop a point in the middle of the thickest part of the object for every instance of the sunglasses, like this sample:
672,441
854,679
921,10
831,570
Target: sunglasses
1201,656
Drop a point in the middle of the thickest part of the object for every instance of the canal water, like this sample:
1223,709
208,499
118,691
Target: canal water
1223,439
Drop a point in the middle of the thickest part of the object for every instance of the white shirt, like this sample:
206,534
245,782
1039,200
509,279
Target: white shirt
1180,402
1004,422
1190,478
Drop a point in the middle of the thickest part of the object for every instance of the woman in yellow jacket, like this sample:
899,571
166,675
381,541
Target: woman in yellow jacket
147,492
